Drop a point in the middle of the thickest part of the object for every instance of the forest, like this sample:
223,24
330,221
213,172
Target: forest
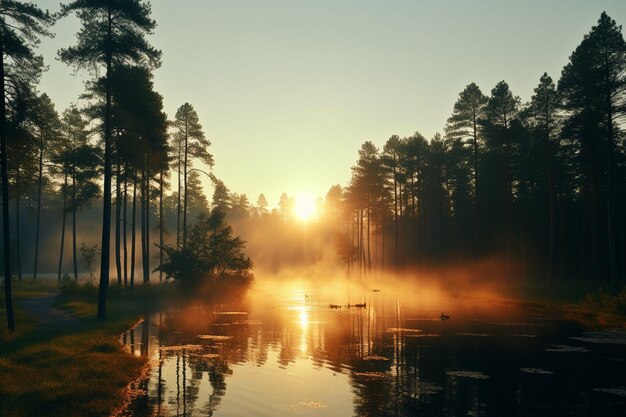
541,183
131,290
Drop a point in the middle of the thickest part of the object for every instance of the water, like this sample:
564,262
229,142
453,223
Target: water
289,353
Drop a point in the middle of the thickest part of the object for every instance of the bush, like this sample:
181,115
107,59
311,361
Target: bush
69,287
604,301
211,255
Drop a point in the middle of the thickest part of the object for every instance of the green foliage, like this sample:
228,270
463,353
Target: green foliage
69,287
89,255
212,254
606,302
131,21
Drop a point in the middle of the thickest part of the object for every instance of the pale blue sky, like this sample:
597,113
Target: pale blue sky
287,91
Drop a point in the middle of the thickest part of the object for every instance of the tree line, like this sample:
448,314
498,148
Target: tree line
541,182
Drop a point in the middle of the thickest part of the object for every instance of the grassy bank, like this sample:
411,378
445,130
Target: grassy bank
578,301
600,309
77,370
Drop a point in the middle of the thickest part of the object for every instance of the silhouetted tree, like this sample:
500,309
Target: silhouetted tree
47,125
464,126
212,253
501,111
192,144
544,115
21,25
113,33
79,162
593,85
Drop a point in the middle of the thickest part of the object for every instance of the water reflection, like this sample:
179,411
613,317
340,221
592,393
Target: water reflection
293,354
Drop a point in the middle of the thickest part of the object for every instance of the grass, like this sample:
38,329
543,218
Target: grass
579,301
78,371
600,309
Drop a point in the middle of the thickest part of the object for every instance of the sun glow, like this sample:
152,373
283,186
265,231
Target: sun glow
304,207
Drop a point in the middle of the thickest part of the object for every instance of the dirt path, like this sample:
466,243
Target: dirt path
42,310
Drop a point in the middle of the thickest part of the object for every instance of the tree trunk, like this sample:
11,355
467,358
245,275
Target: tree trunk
551,199
609,193
142,209
118,212
161,224
476,188
63,228
39,187
395,218
369,254
178,208
146,271
185,184
106,205
4,173
75,261
125,239
133,232
18,252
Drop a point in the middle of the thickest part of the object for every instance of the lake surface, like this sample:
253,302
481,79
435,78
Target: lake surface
288,353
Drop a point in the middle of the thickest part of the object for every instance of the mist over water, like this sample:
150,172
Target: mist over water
299,345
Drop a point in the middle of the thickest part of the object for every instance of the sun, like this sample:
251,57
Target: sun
304,207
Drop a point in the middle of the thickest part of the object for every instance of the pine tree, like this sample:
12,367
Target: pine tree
113,33
21,25
192,145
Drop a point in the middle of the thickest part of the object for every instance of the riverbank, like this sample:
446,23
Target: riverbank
593,308
71,367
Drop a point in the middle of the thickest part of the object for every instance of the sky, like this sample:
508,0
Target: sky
288,90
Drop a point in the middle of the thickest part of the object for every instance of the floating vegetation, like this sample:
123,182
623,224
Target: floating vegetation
213,337
375,358
537,371
402,330
474,334
566,348
614,337
620,391
428,388
467,374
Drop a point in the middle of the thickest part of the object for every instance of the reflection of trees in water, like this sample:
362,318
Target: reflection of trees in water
392,373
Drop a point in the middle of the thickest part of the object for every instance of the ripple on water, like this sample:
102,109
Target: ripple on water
537,371
311,404
566,348
374,358
429,388
467,374
607,338
474,334
402,330
620,391
213,337
370,375
179,348
231,313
